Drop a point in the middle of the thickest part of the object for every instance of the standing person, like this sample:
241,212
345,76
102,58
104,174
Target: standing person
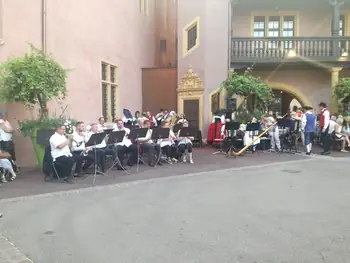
324,124
308,124
6,142
268,121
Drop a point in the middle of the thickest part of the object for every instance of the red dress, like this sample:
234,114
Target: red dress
211,133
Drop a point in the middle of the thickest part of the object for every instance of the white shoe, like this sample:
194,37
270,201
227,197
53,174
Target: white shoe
184,157
191,161
174,160
3,179
344,151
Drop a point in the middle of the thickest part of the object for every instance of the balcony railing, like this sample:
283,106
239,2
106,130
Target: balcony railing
275,49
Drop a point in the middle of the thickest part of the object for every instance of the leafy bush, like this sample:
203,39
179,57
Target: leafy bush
28,127
33,79
247,85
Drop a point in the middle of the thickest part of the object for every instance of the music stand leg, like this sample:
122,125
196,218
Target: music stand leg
117,162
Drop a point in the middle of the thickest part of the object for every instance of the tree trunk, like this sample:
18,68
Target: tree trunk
43,107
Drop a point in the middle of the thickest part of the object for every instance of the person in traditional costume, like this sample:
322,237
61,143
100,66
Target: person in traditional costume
308,127
324,124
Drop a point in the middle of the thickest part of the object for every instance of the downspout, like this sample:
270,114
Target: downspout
229,39
43,25
1,23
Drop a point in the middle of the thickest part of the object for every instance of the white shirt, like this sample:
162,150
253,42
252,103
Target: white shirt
98,146
331,126
325,113
184,140
77,139
148,136
5,136
169,141
101,127
126,141
55,140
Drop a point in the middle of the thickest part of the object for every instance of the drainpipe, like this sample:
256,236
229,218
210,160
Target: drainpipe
43,25
1,23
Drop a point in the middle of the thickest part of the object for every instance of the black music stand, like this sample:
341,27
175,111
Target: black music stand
116,137
232,126
95,139
177,127
160,133
43,137
136,134
108,131
188,132
254,128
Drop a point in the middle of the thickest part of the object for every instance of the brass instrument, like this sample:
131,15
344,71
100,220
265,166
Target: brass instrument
174,119
86,151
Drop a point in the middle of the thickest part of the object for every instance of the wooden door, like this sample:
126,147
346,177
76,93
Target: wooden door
191,111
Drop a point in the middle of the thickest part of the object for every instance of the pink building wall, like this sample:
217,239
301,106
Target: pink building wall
80,34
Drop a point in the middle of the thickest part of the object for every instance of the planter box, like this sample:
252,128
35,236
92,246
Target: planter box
40,140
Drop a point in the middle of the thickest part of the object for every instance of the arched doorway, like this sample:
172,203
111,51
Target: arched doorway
287,97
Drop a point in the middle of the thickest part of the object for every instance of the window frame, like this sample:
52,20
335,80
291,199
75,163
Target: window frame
109,81
194,23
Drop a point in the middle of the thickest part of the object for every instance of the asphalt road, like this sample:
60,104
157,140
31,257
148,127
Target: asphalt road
295,212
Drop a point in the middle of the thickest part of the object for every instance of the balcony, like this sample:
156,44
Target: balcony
289,49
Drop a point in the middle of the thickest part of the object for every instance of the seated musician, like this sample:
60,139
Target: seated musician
6,164
101,124
101,149
61,154
152,119
168,145
147,144
126,146
159,117
185,143
79,151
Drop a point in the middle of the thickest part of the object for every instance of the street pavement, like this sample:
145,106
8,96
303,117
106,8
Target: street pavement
282,212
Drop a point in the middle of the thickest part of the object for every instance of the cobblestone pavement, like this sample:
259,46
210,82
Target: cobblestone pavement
287,211
32,183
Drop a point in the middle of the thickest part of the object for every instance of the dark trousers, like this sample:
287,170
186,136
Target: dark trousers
150,148
325,139
79,159
101,154
64,166
183,147
308,137
8,146
170,151
122,150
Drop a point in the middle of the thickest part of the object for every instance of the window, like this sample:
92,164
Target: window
162,45
109,92
143,6
274,26
341,26
191,36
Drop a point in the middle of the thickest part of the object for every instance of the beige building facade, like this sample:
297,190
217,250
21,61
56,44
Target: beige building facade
299,48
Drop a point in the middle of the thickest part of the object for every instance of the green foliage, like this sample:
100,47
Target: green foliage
247,85
342,92
244,116
342,89
33,79
27,127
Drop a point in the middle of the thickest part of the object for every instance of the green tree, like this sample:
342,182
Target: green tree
32,80
342,92
247,85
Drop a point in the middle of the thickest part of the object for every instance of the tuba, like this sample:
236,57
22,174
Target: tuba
174,118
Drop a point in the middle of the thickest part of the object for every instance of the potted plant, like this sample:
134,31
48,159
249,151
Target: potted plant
248,86
34,80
